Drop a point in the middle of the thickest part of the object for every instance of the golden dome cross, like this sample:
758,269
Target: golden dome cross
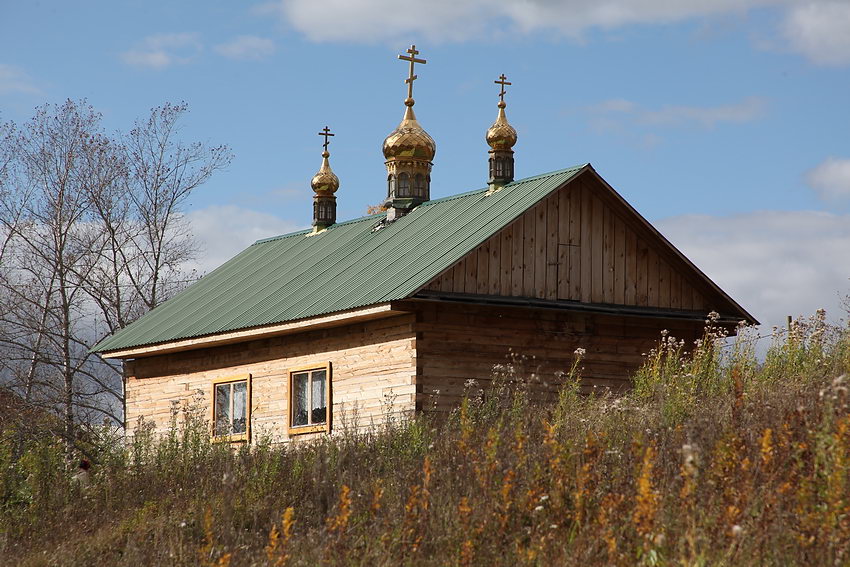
326,132
502,81
412,58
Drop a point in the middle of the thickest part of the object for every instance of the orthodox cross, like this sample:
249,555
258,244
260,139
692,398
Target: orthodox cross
412,58
502,81
326,132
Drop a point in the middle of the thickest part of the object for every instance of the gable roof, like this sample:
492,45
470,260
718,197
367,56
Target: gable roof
349,265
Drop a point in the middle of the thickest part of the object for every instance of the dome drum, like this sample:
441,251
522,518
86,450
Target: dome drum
324,211
501,167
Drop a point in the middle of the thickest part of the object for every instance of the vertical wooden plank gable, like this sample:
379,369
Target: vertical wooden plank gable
579,244
550,289
563,253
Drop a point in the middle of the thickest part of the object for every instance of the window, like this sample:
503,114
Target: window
232,408
391,186
309,399
419,185
403,185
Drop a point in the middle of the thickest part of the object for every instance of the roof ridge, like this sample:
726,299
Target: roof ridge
426,203
308,230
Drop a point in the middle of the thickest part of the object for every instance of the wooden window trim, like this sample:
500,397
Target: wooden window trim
240,437
321,428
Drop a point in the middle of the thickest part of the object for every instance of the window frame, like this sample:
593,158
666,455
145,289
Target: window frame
232,437
310,428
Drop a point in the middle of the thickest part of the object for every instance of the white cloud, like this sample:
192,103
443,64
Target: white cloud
163,50
821,31
246,47
639,126
14,80
831,179
774,263
747,110
383,20
460,20
225,230
816,28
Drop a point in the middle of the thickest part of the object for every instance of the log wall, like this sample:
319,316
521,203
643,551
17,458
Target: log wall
373,376
457,342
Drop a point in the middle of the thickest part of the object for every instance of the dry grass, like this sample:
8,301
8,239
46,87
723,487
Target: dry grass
713,459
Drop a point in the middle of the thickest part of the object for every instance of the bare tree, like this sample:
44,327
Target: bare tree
93,236
147,239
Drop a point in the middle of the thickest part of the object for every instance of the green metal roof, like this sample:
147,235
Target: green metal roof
349,265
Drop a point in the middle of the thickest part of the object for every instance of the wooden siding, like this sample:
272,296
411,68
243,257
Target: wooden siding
580,244
373,374
457,342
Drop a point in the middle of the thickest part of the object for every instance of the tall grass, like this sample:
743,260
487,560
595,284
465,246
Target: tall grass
714,458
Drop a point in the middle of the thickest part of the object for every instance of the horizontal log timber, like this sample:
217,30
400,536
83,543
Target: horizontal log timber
459,340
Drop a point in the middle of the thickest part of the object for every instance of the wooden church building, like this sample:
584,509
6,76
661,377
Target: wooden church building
394,312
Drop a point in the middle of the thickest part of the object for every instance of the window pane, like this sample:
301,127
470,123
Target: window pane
299,398
319,410
403,185
419,185
222,409
240,407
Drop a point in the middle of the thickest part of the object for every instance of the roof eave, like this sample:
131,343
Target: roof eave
377,311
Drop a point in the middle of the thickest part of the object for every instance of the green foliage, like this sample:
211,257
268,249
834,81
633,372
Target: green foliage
712,459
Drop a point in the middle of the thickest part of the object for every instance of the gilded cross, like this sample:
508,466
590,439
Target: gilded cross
412,58
326,132
502,81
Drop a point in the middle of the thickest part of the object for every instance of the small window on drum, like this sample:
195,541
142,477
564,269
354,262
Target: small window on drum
403,185
391,186
419,185
500,168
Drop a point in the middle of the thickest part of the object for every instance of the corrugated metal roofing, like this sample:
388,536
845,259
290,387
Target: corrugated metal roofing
347,266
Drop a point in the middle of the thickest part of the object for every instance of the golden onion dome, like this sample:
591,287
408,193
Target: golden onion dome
501,135
325,181
409,140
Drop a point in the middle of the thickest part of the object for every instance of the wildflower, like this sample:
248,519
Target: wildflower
470,383
538,509
647,497
767,447
579,351
689,459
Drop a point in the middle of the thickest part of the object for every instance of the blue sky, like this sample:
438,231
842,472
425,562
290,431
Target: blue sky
724,122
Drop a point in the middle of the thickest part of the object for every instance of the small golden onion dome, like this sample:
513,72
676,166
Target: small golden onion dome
501,135
410,140
325,181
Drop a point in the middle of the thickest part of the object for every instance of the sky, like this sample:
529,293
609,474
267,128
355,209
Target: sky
725,123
